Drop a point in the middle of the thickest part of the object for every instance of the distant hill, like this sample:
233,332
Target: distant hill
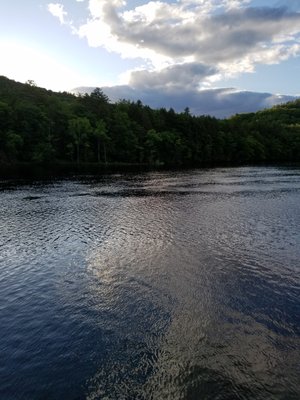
42,126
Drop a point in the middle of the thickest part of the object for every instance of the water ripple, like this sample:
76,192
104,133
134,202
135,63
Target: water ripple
160,285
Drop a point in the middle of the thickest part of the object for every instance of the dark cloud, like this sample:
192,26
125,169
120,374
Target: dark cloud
226,36
181,75
239,33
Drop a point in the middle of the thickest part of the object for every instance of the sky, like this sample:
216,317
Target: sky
216,57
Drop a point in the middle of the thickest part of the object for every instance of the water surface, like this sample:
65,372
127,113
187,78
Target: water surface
160,285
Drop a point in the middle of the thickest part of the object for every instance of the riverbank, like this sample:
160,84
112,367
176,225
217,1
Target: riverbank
63,169
43,170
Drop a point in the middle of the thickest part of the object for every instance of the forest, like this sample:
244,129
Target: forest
44,127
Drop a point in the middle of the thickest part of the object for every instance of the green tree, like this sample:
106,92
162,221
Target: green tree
152,147
100,133
79,128
125,142
13,145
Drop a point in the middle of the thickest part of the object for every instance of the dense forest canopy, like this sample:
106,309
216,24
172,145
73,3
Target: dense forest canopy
38,125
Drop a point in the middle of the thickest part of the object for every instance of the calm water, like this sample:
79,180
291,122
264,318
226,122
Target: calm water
180,285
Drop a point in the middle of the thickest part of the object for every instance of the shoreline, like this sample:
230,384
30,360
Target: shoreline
62,169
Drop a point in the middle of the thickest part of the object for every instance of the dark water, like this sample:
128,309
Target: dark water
151,286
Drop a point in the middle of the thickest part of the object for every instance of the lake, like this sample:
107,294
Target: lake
155,285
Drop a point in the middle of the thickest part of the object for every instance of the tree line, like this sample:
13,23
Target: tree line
42,126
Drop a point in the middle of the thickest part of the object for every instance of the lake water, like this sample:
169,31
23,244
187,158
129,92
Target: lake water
159,285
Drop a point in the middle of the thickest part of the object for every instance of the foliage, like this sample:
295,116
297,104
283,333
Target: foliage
38,125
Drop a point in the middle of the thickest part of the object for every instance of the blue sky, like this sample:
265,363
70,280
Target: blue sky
205,54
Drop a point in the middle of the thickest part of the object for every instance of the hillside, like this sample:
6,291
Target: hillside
41,126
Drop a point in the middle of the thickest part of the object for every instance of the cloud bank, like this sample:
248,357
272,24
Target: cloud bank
221,103
187,46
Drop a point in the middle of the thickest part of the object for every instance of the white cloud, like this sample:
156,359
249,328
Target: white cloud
186,46
57,10
225,34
